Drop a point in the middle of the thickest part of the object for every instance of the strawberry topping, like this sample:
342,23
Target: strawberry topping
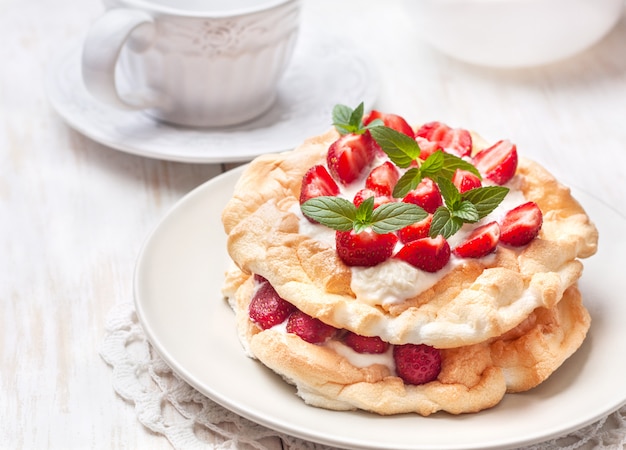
521,224
382,179
497,163
427,254
349,156
316,183
417,364
453,140
426,195
464,180
366,248
309,328
390,120
481,242
417,230
365,344
267,308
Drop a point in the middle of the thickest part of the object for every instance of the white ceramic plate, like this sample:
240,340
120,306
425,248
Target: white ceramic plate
322,74
177,288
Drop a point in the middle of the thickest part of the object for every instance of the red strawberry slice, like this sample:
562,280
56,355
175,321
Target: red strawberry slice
309,328
482,241
417,364
464,180
427,254
382,179
349,156
427,148
364,194
366,248
415,231
521,224
267,308
394,121
497,163
457,141
317,182
426,194
365,344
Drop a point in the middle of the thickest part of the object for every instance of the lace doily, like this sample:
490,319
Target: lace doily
169,406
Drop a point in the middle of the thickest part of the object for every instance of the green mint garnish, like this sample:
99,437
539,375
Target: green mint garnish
469,207
342,215
401,149
404,151
349,121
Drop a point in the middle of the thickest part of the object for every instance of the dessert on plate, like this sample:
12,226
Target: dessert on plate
399,269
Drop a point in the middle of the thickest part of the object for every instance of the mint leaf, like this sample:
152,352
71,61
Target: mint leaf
433,165
486,199
453,162
390,217
450,193
467,212
364,214
407,182
341,214
341,119
401,149
444,223
349,121
334,212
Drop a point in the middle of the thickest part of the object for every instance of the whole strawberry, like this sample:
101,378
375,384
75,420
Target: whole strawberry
365,344
309,328
267,308
417,364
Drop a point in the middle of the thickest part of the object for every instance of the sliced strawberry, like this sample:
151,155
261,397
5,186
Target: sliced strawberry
309,328
365,193
482,241
427,254
426,194
417,364
317,182
415,231
267,308
464,180
497,163
349,156
366,248
382,179
457,141
365,344
394,121
427,148
521,224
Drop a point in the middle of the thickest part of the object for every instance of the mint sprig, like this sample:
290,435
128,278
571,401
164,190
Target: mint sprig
342,215
469,207
404,151
350,121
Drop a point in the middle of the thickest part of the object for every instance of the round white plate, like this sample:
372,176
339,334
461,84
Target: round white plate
322,74
178,301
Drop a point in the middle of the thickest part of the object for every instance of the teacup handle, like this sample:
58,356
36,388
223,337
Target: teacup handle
101,50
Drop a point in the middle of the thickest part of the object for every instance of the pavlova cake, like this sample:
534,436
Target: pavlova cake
396,269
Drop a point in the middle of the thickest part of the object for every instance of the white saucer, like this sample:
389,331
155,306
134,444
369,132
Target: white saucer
321,75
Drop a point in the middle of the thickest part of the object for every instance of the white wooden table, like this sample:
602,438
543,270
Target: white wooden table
73,213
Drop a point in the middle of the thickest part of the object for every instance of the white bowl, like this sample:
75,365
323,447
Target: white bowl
513,33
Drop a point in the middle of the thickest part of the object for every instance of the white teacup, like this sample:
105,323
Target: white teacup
203,63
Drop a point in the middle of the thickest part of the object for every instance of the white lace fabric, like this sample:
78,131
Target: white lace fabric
167,405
